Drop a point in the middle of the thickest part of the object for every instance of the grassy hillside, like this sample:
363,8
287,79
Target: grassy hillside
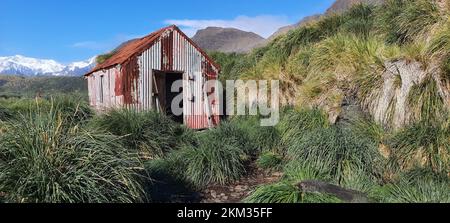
58,150
17,86
346,55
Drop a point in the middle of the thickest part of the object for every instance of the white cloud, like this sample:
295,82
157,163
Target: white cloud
105,45
264,25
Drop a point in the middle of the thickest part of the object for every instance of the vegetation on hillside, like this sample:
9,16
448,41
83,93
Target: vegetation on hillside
18,87
56,149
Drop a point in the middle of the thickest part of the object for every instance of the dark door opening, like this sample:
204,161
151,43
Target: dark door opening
164,82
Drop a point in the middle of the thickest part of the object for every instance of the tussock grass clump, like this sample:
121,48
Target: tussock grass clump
417,18
5,114
102,58
366,128
422,144
45,157
417,186
404,21
74,107
297,170
440,44
150,133
338,147
260,138
213,161
282,192
294,124
229,63
359,20
426,103
285,192
169,184
269,161
235,134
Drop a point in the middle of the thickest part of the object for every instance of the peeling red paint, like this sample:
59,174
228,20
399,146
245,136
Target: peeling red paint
130,76
167,50
118,83
136,47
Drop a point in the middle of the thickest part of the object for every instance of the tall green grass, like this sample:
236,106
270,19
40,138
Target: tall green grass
404,21
269,160
73,106
338,146
46,157
294,124
417,186
422,144
150,133
215,160
285,192
260,138
426,103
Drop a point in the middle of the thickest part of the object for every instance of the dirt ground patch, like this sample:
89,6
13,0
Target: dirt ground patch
236,192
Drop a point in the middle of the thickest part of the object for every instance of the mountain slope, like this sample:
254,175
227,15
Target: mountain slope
20,65
343,5
226,40
286,29
20,86
338,7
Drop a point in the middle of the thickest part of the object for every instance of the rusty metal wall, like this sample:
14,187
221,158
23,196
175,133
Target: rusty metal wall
173,51
111,97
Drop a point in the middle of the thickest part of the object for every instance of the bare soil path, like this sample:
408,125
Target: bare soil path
236,192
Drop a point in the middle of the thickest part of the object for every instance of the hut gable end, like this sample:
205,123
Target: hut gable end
129,77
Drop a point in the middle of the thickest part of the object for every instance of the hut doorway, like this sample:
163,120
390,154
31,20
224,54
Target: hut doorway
165,96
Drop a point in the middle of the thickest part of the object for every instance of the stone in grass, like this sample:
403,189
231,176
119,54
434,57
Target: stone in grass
346,195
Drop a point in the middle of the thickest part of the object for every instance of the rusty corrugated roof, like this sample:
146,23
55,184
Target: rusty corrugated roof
136,47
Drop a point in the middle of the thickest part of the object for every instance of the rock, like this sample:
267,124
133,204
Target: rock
235,195
388,104
222,195
213,194
241,188
225,197
351,196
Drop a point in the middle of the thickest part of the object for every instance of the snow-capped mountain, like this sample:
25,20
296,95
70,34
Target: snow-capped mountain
79,68
27,66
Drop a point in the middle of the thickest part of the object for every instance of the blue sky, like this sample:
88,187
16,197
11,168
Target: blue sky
72,30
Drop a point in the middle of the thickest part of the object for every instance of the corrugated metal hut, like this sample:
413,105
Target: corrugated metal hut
139,76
